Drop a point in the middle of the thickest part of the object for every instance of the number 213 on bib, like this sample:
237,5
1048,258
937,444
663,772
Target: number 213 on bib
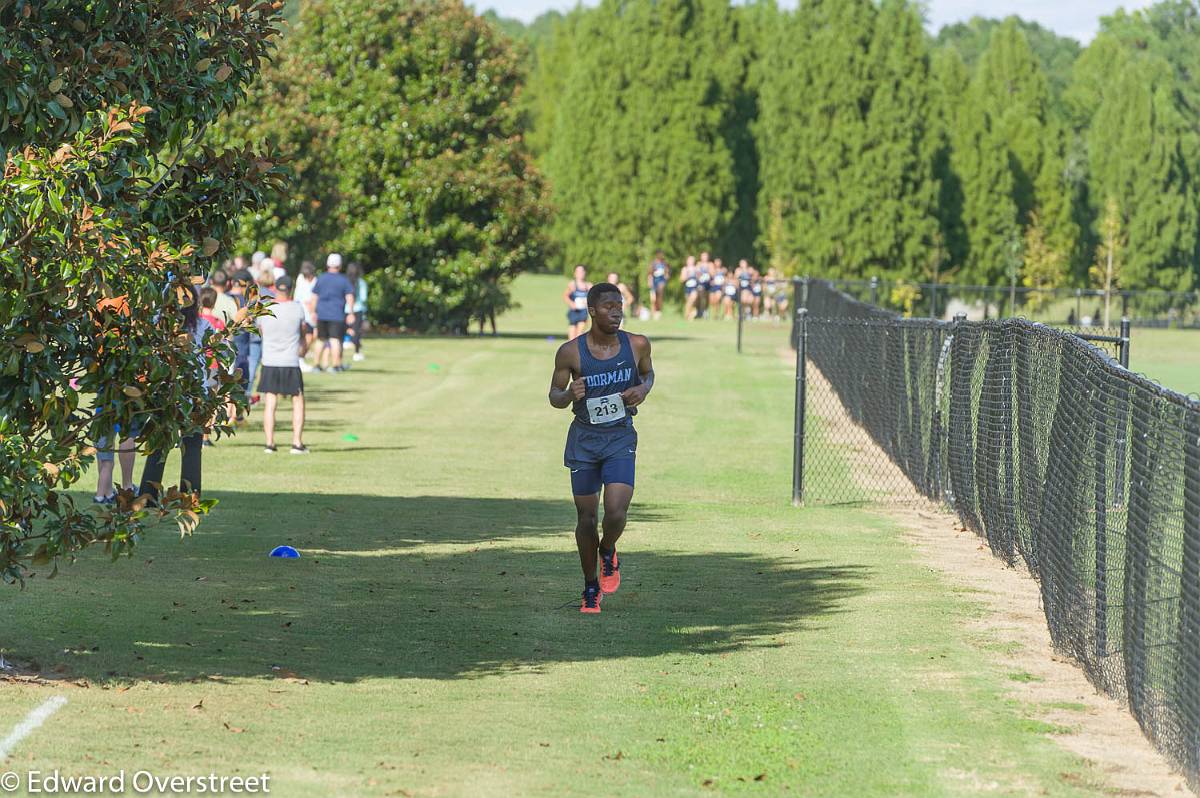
604,409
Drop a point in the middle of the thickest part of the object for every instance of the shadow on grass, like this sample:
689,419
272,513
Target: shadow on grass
423,587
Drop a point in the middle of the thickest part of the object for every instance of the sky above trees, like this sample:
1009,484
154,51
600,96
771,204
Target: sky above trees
1078,19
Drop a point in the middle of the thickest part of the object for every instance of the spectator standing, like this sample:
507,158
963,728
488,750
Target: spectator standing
225,306
238,284
355,276
283,346
126,452
333,304
303,296
191,445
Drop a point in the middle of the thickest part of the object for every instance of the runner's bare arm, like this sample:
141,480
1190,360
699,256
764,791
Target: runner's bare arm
563,389
567,295
637,394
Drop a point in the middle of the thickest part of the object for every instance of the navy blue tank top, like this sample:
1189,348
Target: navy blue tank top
578,297
606,378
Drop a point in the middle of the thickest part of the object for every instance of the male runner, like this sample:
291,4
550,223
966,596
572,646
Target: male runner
657,277
576,298
603,376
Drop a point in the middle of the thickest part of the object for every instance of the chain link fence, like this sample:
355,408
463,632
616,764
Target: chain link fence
1078,307
1046,446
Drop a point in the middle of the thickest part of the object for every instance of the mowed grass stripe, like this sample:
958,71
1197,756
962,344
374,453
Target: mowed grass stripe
421,644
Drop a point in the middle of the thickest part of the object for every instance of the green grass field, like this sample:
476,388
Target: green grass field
428,643
1170,357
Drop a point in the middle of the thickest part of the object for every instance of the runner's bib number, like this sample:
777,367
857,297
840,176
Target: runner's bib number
604,409
581,303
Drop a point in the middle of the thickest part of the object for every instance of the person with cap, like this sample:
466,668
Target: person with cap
283,346
333,303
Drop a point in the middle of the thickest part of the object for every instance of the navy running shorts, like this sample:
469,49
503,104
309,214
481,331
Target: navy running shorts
587,480
577,316
598,456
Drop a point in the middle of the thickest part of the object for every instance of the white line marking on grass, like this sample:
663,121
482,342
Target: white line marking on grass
34,719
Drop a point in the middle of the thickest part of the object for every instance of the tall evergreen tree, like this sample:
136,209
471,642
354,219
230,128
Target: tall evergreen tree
638,160
1137,140
812,133
902,146
848,136
950,81
1011,87
1055,53
553,57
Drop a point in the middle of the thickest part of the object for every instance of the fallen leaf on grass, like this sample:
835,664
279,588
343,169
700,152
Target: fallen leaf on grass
199,704
233,729
616,756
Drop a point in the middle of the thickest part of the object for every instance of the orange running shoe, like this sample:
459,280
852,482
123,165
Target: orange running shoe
591,600
610,572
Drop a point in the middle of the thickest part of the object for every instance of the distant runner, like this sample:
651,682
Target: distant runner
657,277
603,376
577,308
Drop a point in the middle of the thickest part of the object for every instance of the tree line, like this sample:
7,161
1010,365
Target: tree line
448,151
842,139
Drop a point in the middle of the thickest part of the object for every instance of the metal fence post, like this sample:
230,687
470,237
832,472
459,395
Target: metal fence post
1125,342
1099,409
801,408
1119,449
875,291
795,308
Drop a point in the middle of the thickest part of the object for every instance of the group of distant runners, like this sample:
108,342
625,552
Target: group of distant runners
710,290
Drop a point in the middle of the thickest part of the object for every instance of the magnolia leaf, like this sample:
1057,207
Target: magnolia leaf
24,340
210,246
223,72
55,86
51,469
33,347
132,391
64,101
203,64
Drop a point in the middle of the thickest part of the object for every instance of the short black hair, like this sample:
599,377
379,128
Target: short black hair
600,289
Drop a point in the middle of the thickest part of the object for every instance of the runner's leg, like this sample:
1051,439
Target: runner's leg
617,497
586,537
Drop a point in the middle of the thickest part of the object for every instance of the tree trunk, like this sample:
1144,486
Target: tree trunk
1108,282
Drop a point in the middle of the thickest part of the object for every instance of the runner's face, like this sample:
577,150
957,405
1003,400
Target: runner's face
608,313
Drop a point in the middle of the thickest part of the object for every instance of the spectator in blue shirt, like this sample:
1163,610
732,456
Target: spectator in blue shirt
332,303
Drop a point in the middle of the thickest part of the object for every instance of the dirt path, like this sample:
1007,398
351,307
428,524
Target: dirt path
1086,722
